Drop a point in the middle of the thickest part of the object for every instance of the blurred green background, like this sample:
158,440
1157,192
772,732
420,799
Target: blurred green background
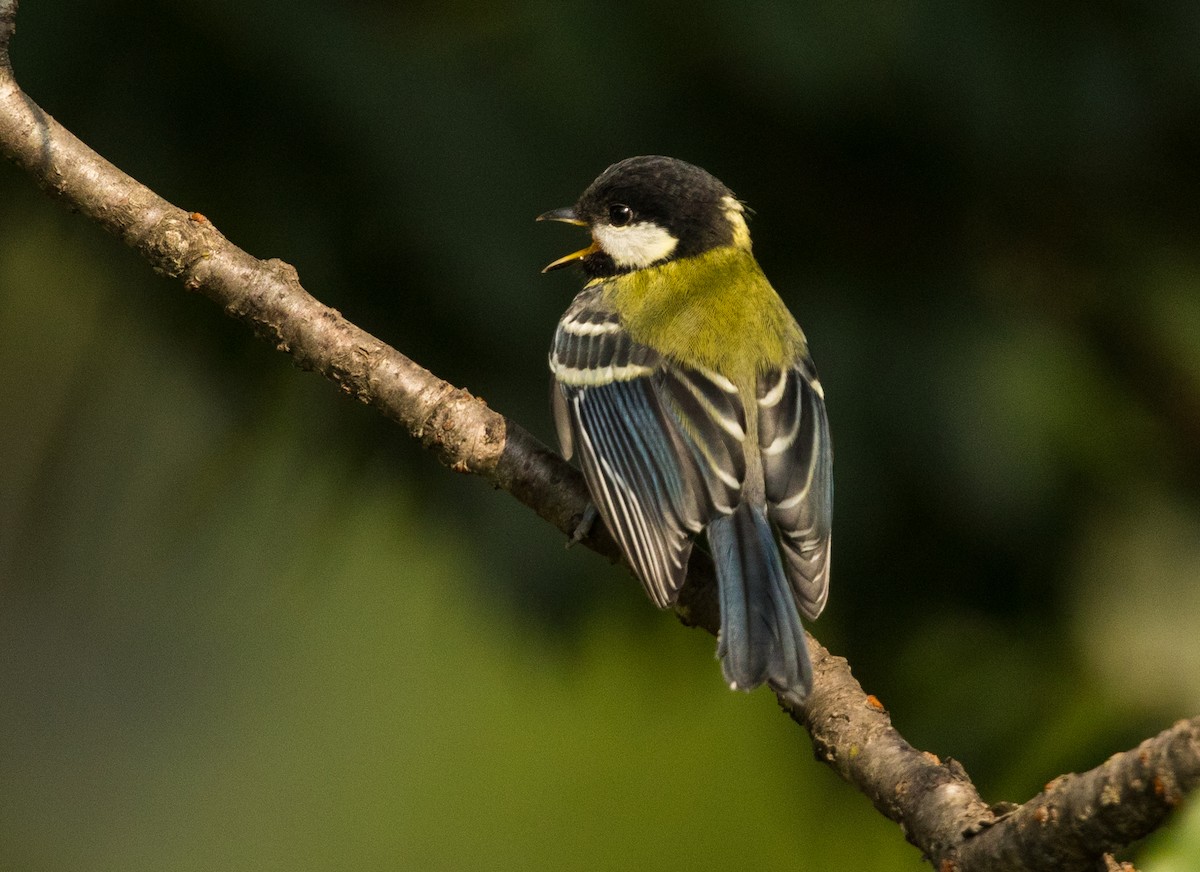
246,623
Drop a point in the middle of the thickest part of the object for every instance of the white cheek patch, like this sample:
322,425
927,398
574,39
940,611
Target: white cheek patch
635,245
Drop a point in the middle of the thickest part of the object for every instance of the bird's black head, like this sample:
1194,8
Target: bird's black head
647,210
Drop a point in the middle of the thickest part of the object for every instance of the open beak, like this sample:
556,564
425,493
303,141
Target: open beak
567,216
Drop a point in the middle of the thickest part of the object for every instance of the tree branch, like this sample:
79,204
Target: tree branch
1122,800
1065,828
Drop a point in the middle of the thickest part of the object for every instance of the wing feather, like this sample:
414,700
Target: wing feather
639,487
661,446
712,419
793,437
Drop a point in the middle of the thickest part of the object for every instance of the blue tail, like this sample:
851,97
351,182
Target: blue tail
761,637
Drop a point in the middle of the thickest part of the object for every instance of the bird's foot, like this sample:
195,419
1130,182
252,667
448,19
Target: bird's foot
584,527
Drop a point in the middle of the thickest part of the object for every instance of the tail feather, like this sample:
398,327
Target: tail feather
761,636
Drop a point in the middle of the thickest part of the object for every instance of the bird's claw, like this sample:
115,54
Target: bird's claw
584,527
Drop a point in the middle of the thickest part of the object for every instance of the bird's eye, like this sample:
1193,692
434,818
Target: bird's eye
619,214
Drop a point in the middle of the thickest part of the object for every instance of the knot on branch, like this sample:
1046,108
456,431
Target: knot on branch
177,243
169,247
466,435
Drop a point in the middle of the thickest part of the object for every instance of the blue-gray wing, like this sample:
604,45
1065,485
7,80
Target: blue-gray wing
797,457
660,446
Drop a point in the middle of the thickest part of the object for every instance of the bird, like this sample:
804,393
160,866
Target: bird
686,388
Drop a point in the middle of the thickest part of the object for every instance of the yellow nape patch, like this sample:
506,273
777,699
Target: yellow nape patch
735,212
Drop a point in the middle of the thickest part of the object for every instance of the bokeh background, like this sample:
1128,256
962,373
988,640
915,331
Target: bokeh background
245,623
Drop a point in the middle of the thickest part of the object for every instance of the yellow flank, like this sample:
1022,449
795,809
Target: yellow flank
715,310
